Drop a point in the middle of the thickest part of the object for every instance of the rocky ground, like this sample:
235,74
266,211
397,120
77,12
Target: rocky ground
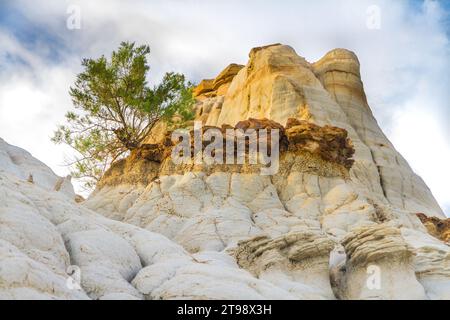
344,218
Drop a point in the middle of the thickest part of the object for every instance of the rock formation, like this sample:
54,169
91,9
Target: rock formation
382,251
219,85
439,228
337,221
297,261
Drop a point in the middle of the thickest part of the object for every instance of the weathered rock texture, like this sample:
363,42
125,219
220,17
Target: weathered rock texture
338,220
297,261
299,137
278,84
219,85
45,236
382,251
439,228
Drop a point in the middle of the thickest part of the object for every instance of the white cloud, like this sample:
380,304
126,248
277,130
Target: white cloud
418,137
33,98
405,65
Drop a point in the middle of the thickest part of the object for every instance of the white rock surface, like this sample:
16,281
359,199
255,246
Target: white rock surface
45,234
21,164
380,252
307,232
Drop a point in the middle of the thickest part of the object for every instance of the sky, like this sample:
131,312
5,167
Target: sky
403,47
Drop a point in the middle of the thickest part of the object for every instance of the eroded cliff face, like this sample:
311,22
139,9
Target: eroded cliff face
278,84
54,248
359,206
338,220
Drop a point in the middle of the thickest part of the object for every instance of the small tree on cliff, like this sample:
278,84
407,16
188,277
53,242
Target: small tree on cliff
116,109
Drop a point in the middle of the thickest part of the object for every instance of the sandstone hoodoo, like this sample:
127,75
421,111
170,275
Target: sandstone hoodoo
338,220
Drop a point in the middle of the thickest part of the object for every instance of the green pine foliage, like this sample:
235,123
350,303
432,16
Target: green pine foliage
115,109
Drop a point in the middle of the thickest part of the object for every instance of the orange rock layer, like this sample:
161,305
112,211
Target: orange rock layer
438,228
